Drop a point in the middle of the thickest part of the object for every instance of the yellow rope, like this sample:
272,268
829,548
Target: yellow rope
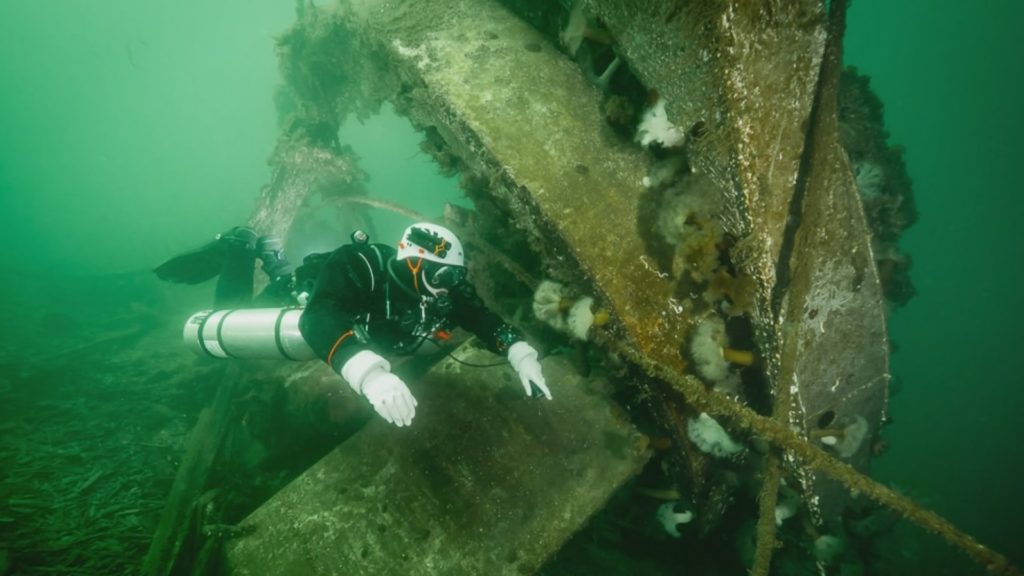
766,520
780,435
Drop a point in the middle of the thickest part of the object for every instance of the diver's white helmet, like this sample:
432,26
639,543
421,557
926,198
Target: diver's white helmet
434,256
431,242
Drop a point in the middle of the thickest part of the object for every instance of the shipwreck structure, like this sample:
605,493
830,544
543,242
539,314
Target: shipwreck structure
706,175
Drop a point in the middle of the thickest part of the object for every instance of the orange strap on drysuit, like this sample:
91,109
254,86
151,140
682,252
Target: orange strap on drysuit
330,355
415,270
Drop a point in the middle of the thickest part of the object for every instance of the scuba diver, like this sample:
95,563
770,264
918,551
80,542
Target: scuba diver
362,302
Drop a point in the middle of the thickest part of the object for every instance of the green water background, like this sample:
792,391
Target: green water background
130,131
950,75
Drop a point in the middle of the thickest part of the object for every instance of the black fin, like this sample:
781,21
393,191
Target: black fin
196,266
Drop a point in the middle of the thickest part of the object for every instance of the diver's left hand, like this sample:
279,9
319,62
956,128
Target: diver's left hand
523,359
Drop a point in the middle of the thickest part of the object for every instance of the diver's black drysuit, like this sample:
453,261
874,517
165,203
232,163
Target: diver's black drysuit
358,304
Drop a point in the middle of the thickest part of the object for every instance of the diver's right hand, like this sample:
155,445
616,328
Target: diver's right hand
390,397
369,374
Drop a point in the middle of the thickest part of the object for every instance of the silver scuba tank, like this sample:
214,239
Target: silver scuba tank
256,333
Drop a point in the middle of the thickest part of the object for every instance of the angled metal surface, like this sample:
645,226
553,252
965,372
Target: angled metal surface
836,350
514,108
748,73
743,74
486,481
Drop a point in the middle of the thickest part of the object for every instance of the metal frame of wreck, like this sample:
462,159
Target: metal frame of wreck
308,157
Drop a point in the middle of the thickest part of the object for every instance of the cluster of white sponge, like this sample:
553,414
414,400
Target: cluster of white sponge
554,305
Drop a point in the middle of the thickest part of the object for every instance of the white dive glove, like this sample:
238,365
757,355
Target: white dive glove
523,359
370,375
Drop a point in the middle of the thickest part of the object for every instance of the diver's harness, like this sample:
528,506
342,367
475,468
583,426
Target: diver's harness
431,322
